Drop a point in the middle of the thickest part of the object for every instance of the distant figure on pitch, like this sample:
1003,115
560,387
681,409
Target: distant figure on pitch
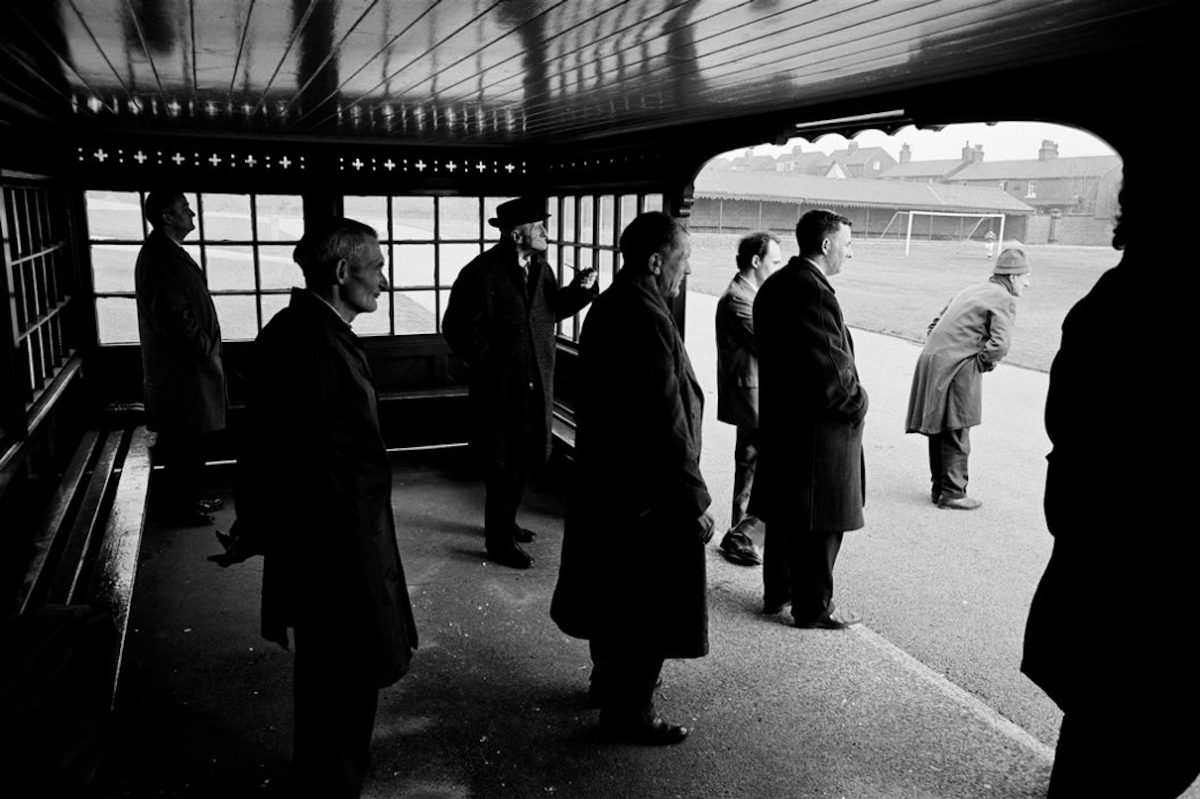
758,255
969,337
989,244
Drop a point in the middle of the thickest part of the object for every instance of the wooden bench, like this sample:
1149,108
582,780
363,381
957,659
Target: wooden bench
85,550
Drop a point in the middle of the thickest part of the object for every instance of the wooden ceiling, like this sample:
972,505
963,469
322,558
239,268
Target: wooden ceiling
511,72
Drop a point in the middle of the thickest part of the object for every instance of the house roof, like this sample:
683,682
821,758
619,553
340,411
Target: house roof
1091,166
858,156
792,187
920,169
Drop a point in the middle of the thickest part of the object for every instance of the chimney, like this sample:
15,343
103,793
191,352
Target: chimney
968,153
852,146
978,159
1049,150
905,153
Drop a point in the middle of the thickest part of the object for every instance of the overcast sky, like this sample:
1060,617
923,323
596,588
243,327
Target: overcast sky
1004,141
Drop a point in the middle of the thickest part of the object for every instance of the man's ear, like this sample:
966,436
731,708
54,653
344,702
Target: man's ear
655,263
341,272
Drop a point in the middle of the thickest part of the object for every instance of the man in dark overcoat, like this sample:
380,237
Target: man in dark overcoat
967,338
758,255
811,480
500,319
183,375
1111,636
637,486
313,493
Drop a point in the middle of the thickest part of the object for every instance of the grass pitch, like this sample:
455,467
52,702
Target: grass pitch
884,291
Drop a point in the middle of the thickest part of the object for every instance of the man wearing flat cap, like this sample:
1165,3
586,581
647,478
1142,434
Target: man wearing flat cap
969,337
501,320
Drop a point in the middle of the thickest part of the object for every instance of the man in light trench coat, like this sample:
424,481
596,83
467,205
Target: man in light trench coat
969,337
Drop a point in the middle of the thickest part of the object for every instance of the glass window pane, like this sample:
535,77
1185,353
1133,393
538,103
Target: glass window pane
628,212
412,218
567,328
375,323
489,212
276,267
226,216
567,229
654,202
443,298
116,320
230,268
412,264
273,304
608,234
454,257
368,210
280,217
414,312
194,251
114,215
113,266
238,316
585,220
459,217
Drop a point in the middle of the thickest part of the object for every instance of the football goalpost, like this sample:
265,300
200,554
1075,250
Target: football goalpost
979,220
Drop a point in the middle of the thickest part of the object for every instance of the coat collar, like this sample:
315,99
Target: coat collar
811,265
308,303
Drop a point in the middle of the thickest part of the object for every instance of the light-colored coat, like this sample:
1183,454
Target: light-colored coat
969,337
737,355
183,376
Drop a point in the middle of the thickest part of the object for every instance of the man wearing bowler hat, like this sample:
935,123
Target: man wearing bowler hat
500,319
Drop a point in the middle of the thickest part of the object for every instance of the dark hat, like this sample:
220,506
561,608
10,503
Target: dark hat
1012,261
519,212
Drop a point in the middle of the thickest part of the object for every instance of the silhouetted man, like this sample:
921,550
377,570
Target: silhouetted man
183,376
500,319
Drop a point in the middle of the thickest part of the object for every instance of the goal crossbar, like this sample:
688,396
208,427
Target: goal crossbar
980,217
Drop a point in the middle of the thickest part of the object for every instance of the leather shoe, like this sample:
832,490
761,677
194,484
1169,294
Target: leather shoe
770,608
523,536
836,619
646,731
739,549
509,553
958,503
209,504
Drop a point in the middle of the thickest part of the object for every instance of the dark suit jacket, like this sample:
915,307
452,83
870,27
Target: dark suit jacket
184,380
633,567
314,489
737,355
502,325
811,405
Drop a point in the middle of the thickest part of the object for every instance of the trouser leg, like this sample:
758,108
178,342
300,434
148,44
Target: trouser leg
745,458
334,718
777,565
954,449
935,466
814,553
504,489
629,677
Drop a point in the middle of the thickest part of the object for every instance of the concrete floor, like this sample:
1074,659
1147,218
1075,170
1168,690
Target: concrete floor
494,704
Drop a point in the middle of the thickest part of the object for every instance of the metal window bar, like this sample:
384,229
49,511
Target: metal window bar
258,295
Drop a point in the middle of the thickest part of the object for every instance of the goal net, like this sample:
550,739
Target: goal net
910,226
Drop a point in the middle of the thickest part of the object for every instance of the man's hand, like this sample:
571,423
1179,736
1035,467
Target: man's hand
707,526
586,278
